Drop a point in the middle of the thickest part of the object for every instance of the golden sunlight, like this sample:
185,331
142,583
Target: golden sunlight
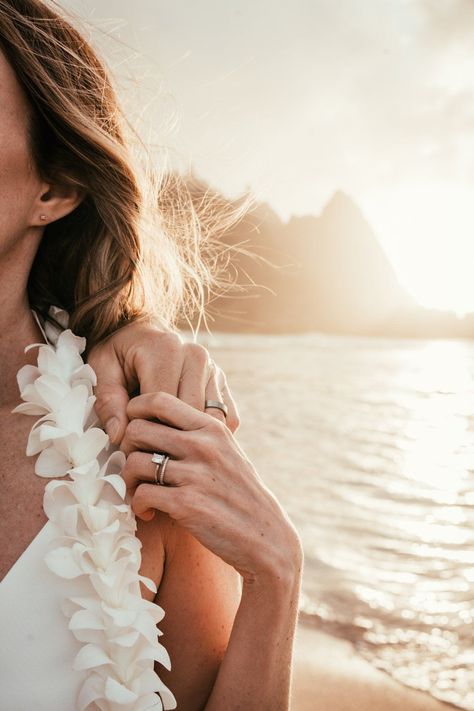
439,446
428,233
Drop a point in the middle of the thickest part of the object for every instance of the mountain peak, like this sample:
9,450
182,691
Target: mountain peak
340,203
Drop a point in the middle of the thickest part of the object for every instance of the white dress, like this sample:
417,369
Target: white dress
37,648
76,634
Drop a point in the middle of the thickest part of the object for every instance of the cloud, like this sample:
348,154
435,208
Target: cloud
299,98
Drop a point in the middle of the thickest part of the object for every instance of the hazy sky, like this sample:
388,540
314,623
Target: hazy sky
296,99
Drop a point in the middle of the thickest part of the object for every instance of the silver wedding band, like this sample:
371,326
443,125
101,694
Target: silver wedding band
218,404
161,459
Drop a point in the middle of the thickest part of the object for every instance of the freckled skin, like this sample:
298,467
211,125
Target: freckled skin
21,512
21,504
21,491
18,180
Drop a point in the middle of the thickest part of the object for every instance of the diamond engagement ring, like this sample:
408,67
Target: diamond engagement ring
161,459
217,403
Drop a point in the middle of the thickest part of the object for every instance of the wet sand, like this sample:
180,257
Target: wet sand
329,676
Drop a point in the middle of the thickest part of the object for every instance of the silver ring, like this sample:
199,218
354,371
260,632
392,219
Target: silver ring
161,459
218,404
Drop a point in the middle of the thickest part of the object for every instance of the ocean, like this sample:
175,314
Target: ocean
368,443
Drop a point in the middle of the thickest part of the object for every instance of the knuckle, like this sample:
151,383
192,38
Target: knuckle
169,340
160,399
105,398
216,425
233,422
134,430
155,340
217,416
140,496
201,446
189,499
197,352
132,463
98,355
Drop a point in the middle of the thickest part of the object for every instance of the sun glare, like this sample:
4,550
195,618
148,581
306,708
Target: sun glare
427,232
438,451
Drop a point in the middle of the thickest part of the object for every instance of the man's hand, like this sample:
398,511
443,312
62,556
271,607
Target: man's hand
140,359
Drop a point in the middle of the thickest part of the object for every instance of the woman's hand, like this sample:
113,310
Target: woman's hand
212,489
140,356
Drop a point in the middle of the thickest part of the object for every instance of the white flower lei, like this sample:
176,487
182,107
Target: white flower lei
96,540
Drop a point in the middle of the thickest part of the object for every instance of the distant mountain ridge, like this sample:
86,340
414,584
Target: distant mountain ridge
328,273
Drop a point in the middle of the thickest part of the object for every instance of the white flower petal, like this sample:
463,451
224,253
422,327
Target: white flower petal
120,616
26,376
84,373
148,583
157,653
62,561
90,657
88,446
118,693
68,519
84,619
96,540
91,690
47,360
68,339
33,345
149,702
47,432
51,463
97,518
114,464
58,495
52,390
70,411
31,394
59,315
128,639
118,483
149,680
169,701
35,444
30,408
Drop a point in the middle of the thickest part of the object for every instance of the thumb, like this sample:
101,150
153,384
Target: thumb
111,391
111,408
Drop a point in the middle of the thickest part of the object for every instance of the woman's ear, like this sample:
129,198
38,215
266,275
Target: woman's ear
54,202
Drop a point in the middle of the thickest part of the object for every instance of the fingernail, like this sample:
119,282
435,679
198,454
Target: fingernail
112,428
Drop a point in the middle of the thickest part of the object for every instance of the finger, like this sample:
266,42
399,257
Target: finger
213,393
162,498
139,468
168,409
233,417
196,372
153,437
158,363
111,396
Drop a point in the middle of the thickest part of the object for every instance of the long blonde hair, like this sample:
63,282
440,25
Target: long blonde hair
137,247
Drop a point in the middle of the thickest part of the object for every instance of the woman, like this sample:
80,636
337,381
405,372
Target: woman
219,556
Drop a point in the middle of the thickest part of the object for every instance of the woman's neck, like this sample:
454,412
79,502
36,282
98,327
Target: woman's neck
18,327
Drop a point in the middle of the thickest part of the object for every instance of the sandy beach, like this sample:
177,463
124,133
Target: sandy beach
329,676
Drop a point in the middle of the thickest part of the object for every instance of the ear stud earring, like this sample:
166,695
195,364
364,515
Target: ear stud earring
43,217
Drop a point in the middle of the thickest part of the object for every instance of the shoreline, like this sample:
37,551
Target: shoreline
328,675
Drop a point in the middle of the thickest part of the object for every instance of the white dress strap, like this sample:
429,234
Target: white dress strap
40,325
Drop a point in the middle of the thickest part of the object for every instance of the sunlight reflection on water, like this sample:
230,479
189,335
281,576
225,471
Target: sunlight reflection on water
368,443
